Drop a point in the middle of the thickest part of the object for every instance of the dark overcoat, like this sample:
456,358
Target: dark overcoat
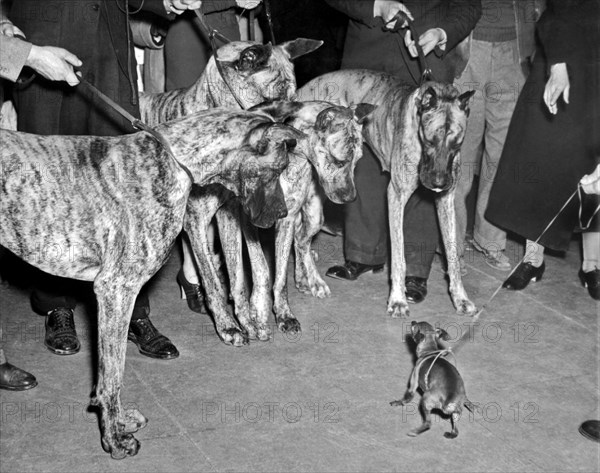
546,155
96,31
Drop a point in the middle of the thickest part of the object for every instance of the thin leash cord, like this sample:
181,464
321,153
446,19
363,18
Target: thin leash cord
462,339
443,352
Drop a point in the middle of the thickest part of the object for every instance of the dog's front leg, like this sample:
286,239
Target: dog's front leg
447,218
308,279
199,212
397,303
260,300
116,297
284,235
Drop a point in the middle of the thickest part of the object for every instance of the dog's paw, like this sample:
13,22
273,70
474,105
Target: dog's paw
451,435
320,289
264,333
234,336
466,307
397,403
133,420
121,446
289,325
398,309
315,255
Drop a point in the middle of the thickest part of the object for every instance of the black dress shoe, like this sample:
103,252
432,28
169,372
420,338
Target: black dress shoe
192,293
61,337
350,270
333,228
590,429
416,289
15,379
523,275
591,280
150,341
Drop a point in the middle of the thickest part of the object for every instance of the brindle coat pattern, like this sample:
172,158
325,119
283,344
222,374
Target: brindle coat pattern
332,148
416,134
108,210
255,73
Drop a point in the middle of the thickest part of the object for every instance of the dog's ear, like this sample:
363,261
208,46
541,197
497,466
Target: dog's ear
463,100
442,334
325,118
362,111
279,110
300,47
418,337
428,100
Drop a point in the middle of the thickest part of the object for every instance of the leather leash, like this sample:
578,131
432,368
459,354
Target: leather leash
135,122
212,33
267,5
401,18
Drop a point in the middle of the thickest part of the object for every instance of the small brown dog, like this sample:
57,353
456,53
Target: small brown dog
439,380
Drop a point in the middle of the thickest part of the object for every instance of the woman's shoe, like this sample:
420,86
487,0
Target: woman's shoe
523,275
591,280
192,293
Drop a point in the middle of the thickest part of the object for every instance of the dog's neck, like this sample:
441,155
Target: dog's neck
427,347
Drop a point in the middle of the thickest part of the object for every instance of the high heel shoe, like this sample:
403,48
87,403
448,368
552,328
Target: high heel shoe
192,293
523,275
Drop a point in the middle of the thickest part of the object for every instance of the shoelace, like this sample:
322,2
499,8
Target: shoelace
63,321
148,331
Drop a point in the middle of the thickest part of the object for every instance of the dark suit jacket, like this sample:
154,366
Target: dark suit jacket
95,31
369,47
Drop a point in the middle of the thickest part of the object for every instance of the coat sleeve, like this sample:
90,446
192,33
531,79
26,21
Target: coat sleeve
358,10
210,6
560,30
13,55
462,17
155,6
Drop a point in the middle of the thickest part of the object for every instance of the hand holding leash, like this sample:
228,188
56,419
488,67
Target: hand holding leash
428,41
179,6
390,11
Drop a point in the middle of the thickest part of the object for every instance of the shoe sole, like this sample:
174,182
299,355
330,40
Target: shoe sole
56,351
21,388
374,271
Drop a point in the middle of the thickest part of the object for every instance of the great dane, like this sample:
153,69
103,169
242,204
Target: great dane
108,210
416,133
254,73
330,151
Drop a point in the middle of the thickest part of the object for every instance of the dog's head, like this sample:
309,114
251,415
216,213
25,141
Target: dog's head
334,140
427,337
265,157
442,120
257,72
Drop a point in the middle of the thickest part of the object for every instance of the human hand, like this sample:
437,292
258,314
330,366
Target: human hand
54,63
590,183
8,29
557,84
179,6
388,9
248,4
428,41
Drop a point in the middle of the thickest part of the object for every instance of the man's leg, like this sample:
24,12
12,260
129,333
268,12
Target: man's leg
366,231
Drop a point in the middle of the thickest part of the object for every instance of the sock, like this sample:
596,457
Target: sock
591,251
534,254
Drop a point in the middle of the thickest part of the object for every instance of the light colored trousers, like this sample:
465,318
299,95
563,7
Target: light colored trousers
494,72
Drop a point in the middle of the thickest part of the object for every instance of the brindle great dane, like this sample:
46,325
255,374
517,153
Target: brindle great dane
416,134
108,210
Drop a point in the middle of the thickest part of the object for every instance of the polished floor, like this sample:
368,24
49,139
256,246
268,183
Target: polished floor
319,402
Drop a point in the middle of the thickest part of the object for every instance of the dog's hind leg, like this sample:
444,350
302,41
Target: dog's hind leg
453,421
427,404
284,235
308,279
116,297
447,219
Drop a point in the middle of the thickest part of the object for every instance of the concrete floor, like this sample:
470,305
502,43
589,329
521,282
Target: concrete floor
320,401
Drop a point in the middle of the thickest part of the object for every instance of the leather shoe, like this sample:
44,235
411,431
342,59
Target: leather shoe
15,379
61,337
192,293
591,280
523,275
350,270
150,341
590,429
416,289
